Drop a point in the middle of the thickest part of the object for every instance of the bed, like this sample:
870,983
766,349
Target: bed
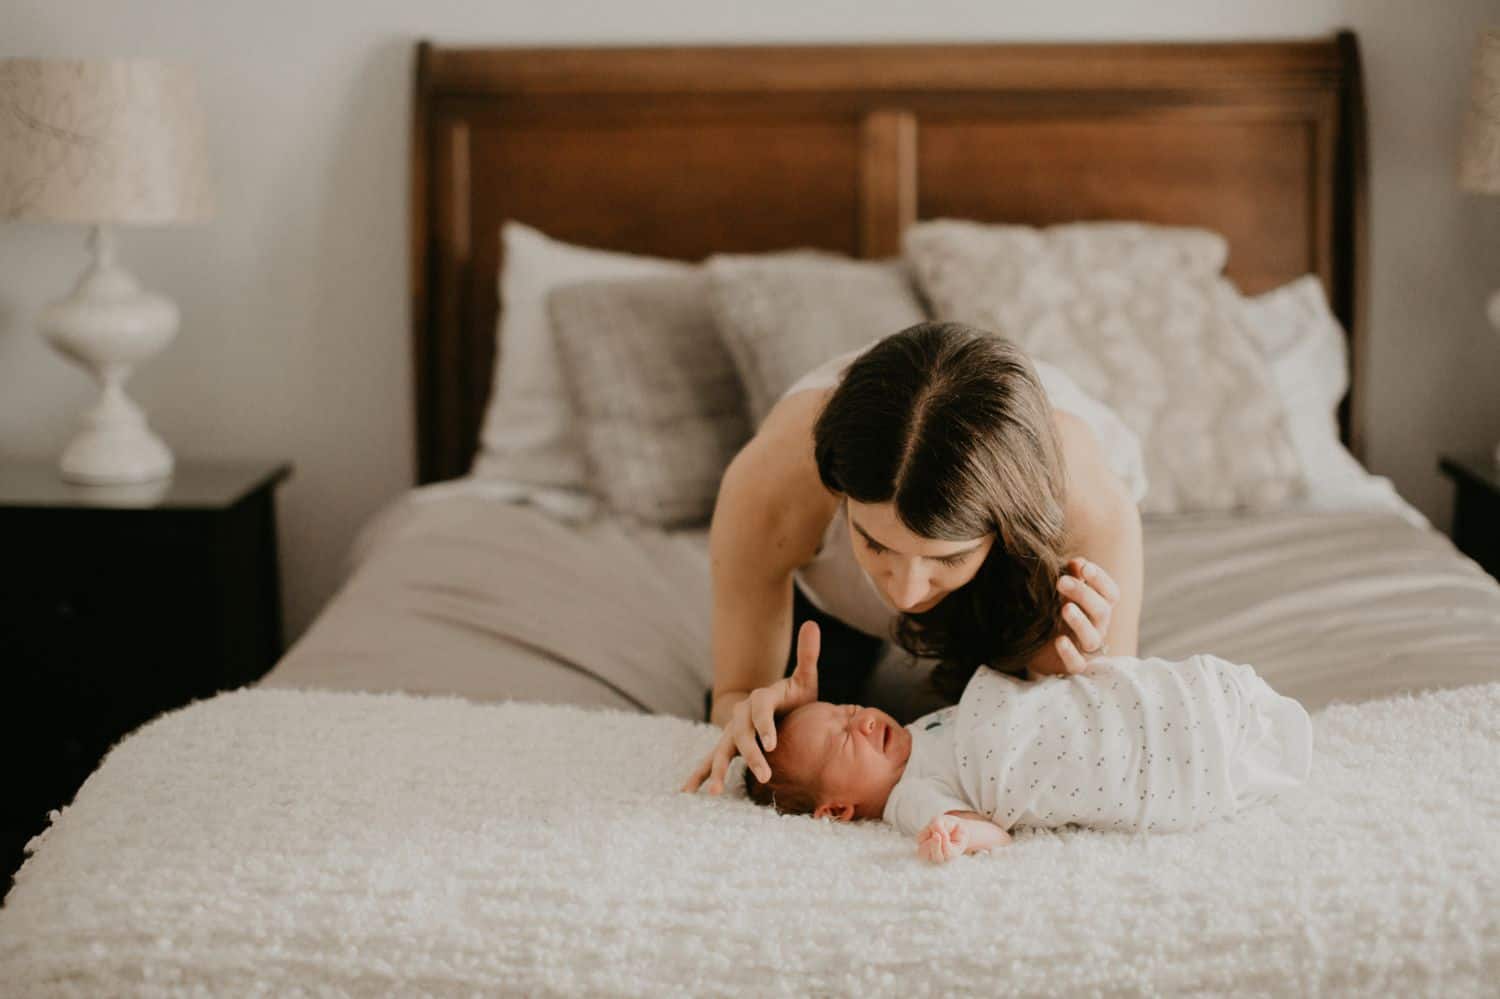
462,779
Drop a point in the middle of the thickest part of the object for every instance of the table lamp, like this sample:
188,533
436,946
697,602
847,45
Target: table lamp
105,142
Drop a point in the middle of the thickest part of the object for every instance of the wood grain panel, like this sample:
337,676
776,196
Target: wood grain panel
888,181
673,188
1250,180
1189,67
683,152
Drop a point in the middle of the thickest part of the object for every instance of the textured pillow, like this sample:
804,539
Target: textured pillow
528,440
655,392
782,315
1139,318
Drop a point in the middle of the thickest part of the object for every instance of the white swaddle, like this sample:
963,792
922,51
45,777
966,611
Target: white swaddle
1132,744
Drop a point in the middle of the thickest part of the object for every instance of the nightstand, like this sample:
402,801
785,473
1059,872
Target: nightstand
1476,508
118,603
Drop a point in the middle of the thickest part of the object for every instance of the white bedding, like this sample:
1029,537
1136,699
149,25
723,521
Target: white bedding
284,840
279,842
459,590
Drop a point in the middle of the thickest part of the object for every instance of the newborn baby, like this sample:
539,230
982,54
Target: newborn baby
1131,744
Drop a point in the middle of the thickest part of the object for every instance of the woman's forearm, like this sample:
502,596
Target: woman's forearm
1118,549
1111,540
752,630
751,627
768,519
1104,527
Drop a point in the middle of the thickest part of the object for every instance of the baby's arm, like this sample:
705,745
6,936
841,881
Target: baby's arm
953,833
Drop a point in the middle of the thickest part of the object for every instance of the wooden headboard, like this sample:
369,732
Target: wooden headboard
684,152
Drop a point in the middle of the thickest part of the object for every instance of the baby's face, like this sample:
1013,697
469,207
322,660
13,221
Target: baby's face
854,755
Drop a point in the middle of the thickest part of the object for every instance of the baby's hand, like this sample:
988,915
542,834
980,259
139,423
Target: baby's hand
944,838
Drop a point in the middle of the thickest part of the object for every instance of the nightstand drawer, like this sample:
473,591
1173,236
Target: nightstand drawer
105,627
112,611
1476,508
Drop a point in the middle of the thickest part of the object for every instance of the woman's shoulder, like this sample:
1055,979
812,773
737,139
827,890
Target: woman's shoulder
774,479
1093,437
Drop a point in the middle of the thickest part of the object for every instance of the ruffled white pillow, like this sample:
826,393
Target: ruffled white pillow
1140,319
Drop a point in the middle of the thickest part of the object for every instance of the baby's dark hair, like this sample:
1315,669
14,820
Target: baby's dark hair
783,792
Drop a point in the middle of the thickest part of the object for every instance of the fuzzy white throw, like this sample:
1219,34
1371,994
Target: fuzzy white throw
282,842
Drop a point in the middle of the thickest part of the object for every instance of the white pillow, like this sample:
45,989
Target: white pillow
530,444
1301,340
1138,316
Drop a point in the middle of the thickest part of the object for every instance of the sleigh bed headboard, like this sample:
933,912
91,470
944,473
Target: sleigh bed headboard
683,152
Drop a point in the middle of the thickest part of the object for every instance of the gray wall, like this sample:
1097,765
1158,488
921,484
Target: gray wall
294,340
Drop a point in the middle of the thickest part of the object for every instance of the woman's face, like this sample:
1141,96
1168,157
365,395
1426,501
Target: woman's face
913,573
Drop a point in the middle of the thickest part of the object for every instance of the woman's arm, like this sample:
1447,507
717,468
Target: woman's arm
1104,528
770,515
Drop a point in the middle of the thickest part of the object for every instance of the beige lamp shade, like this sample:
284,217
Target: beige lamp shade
1479,160
102,141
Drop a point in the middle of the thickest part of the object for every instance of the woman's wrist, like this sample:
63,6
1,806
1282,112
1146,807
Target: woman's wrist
723,705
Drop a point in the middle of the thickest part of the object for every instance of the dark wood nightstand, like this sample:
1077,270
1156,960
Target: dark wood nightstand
1476,508
118,603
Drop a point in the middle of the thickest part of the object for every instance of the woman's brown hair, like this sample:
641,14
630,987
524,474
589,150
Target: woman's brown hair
951,425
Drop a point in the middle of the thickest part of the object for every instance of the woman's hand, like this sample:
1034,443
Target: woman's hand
757,714
1089,598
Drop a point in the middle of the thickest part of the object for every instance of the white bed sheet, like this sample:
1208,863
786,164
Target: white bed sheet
457,589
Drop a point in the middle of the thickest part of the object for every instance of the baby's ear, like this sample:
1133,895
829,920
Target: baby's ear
839,813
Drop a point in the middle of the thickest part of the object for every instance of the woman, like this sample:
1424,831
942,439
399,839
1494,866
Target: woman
936,495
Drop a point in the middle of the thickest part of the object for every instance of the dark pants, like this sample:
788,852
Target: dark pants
845,660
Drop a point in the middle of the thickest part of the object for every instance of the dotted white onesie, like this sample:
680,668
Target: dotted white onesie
1131,744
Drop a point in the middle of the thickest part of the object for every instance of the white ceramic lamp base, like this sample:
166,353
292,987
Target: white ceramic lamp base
109,325
115,445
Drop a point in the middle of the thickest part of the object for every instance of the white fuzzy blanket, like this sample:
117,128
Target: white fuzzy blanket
290,843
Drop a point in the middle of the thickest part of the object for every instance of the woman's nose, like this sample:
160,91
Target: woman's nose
909,587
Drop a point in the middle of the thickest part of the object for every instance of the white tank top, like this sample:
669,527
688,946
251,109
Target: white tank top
834,582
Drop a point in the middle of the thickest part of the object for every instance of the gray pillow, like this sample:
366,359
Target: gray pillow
784,314
659,403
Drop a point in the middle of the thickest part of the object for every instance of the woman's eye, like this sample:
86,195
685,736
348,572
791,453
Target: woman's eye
877,549
952,560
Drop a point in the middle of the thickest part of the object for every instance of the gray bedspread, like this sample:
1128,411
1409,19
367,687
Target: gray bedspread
492,601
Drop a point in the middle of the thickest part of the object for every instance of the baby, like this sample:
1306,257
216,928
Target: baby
1131,744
